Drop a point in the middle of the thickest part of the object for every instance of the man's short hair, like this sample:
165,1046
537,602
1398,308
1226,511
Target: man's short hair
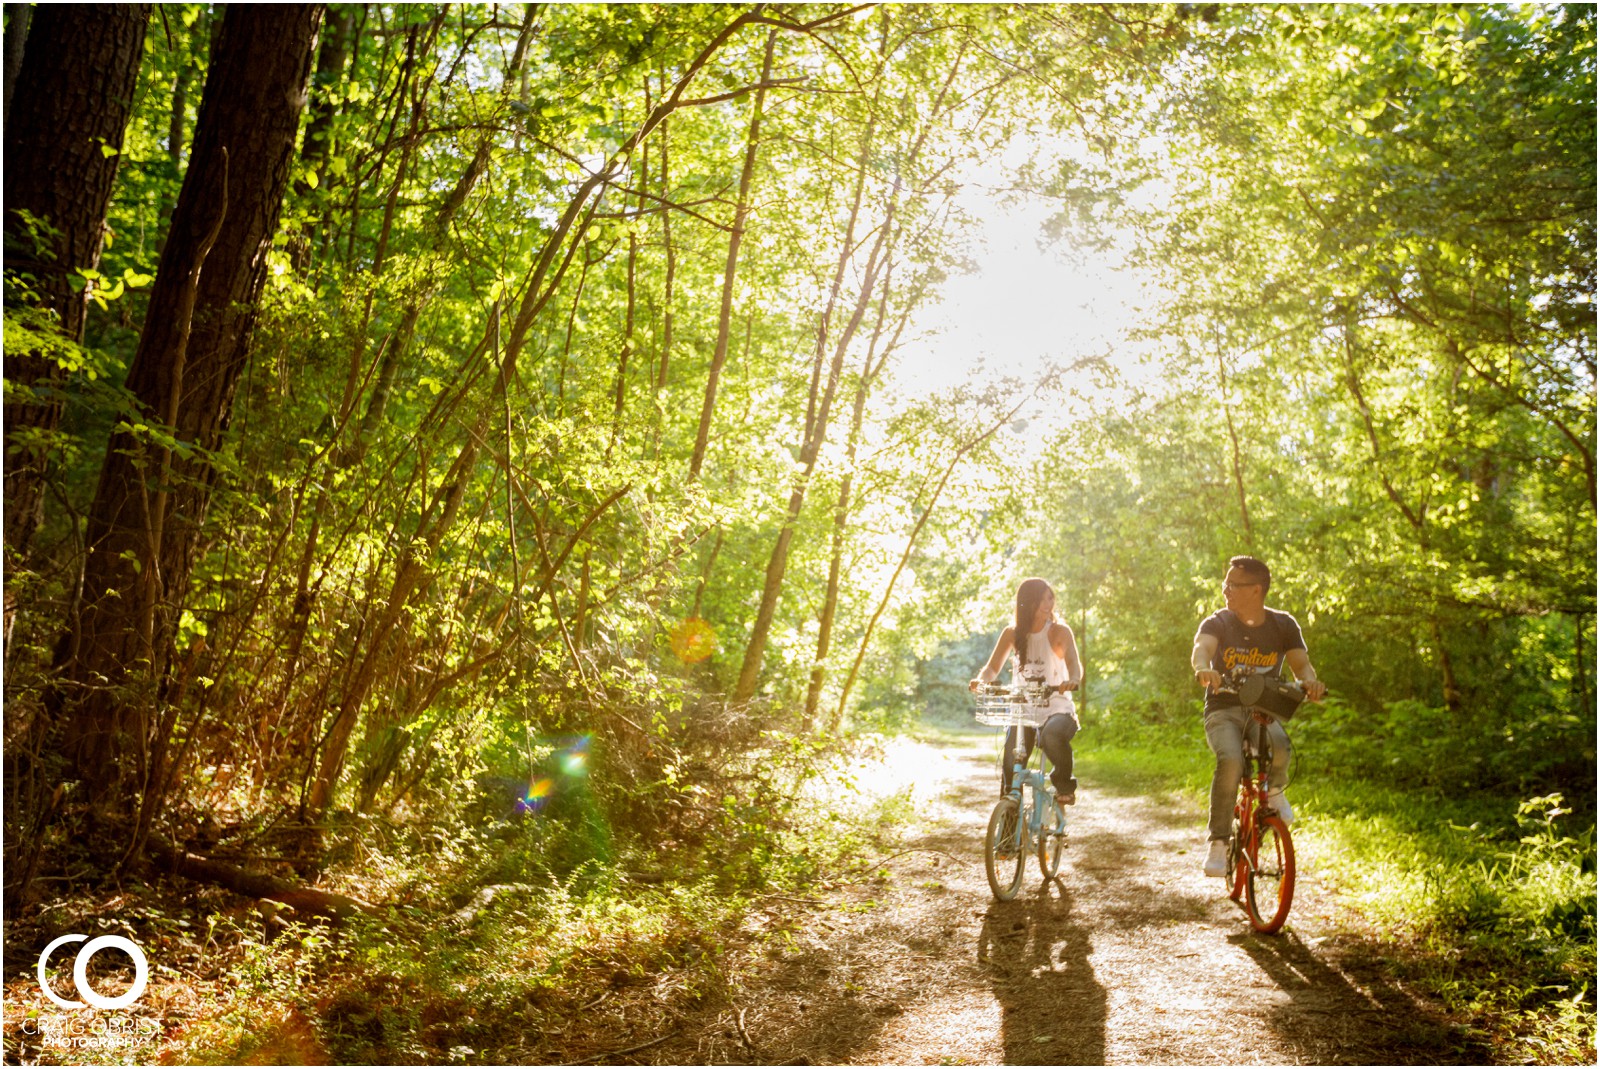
1255,569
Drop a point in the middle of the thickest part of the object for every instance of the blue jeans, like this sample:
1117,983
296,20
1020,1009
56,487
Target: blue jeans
1225,736
1056,738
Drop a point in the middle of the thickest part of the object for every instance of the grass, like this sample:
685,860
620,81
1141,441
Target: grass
1493,899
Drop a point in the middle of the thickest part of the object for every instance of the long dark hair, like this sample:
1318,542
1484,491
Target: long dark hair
1029,595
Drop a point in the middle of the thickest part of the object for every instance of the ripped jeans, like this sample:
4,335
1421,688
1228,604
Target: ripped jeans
1225,736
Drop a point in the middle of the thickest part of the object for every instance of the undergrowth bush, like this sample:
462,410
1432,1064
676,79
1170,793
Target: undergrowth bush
500,928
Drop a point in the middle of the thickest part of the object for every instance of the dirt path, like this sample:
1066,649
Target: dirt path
1131,956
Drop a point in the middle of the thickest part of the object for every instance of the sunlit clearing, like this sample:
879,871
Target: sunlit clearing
1023,308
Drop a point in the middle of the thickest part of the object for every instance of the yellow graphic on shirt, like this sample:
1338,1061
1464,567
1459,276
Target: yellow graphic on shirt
1253,658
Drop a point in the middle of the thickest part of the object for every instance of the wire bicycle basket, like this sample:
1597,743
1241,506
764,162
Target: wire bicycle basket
1012,706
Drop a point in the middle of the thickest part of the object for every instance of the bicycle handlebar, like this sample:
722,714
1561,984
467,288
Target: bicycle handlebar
1263,694
1023,689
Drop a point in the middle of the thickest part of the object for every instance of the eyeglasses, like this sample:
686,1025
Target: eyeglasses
1237,586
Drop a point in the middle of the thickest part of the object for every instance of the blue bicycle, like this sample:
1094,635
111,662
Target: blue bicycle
1027,819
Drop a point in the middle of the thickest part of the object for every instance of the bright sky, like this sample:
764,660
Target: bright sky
1022,308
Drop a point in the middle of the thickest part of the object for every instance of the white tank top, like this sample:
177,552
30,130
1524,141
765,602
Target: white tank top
1042,665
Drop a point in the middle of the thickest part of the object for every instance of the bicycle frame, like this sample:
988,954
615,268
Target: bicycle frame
1261,854
1252,799
1019,825
1022,777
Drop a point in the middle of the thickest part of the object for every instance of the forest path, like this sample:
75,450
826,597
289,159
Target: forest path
1130,956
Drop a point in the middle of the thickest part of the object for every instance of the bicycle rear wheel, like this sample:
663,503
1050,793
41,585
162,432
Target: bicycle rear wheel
1002,850
1269,888
1051,841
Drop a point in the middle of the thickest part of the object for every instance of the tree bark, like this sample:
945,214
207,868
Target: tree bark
663,362
331,56
871,367
17,18
1238,456
152,496
719,355
911,541
74,91
410,575
817,414
1447,672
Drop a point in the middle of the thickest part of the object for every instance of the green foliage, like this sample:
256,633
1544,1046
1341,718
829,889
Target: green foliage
453,512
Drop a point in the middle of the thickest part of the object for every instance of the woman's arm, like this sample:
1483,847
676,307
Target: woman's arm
1002,648
1066,645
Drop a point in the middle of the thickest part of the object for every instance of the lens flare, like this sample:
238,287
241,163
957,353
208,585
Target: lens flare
538,794
693,640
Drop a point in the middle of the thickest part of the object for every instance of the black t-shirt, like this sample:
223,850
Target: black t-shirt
1259,649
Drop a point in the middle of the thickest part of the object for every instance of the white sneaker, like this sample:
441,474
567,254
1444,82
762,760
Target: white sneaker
1217,859
1280,805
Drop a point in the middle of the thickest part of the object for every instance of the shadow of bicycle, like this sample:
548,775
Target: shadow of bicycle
1361,1017
1053,1011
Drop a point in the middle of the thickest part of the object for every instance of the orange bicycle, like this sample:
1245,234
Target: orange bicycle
1261,853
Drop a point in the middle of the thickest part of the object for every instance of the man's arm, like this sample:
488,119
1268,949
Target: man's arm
1205,648
1300,664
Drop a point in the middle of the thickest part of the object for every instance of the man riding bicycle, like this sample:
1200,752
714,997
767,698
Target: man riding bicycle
1242,638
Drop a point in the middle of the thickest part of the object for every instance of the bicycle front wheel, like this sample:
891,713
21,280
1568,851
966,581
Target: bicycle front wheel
1269,888
1238,865
1052,838
1002,850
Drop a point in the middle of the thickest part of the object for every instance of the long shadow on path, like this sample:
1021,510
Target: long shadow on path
1353,1015
1052,1009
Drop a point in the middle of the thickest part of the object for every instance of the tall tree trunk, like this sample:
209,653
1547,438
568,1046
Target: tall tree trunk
177,120
911,541
1238,456
410,575
399,344
1447,670
872,365
74,90
664,358
331,56
318,143
151,501
619,392
1581,675
817,409
17,18
821,401
741,212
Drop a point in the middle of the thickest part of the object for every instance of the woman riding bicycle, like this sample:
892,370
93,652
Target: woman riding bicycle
1042,650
